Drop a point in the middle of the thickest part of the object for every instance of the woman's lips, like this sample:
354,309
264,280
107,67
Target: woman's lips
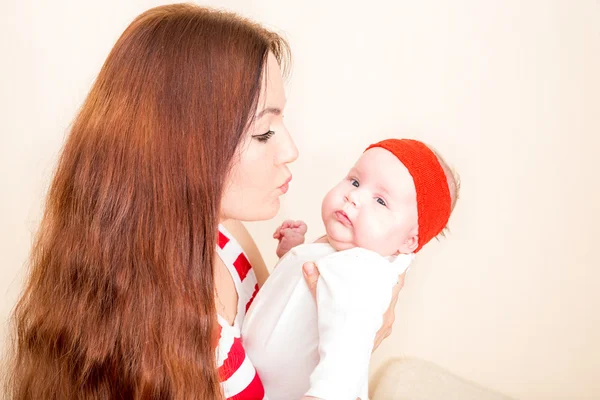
343,218
286,185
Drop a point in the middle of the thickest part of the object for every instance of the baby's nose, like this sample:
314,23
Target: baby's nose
354,198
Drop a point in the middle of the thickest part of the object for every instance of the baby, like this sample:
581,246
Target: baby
397,197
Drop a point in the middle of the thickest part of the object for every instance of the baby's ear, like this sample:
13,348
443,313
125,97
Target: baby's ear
410,244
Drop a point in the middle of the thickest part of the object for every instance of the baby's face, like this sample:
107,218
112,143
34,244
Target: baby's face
374,206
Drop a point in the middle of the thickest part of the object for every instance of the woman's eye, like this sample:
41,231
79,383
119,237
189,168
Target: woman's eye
354,182
381,201
264,137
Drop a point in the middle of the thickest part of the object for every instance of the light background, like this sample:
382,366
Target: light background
508,92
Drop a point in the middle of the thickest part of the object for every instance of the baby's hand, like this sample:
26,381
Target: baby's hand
290,234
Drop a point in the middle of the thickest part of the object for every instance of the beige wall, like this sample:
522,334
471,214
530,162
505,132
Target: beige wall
508,91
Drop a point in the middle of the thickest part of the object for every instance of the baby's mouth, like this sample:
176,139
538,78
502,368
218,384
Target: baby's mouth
343,218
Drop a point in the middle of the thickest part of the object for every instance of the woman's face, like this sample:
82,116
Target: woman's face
260,174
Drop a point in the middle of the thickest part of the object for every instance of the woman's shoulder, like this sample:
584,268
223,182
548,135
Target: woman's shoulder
245,240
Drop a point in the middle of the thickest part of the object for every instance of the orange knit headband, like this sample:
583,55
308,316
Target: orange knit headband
433,194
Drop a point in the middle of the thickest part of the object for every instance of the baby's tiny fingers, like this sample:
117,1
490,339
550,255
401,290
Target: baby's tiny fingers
302,228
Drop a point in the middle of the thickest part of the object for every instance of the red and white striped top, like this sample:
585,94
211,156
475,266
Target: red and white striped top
239,378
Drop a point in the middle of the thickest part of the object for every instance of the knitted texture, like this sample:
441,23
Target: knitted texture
433,194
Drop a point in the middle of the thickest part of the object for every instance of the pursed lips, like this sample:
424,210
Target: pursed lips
343,218
284,188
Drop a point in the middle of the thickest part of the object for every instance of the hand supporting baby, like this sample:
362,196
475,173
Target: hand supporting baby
290,234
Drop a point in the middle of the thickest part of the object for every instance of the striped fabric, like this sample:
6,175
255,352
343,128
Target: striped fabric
239,379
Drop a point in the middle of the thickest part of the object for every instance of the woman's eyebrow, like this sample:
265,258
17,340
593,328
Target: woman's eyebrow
269,110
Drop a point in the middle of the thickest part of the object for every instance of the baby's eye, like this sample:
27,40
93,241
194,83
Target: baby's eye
354,182
381,201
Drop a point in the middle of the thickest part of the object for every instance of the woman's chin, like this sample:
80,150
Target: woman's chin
265,211
252,213
271,213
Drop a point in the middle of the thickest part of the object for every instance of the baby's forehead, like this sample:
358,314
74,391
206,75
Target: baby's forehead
381,167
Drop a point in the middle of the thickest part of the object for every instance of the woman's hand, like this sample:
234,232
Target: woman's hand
390,315
311,275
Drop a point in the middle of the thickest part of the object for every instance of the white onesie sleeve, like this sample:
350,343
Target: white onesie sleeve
353,293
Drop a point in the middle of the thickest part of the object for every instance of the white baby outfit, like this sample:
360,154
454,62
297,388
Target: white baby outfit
323,350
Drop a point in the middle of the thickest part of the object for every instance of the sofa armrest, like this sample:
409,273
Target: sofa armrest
413,379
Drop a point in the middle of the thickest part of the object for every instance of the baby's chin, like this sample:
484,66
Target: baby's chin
340,246
339,240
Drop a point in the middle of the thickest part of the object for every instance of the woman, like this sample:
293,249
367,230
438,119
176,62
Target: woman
127,297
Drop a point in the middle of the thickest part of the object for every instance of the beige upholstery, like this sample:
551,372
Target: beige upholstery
413,379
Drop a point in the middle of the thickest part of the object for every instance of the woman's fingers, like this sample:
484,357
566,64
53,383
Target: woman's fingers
390,315
311,276
400,283
386,328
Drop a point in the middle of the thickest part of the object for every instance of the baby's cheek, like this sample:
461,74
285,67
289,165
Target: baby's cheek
368,233
376,235
326,206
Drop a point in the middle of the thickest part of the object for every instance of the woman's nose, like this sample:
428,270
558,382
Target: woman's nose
288,152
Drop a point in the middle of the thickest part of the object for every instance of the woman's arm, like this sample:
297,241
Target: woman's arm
241,234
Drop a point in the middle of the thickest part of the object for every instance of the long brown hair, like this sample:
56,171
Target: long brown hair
119,302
